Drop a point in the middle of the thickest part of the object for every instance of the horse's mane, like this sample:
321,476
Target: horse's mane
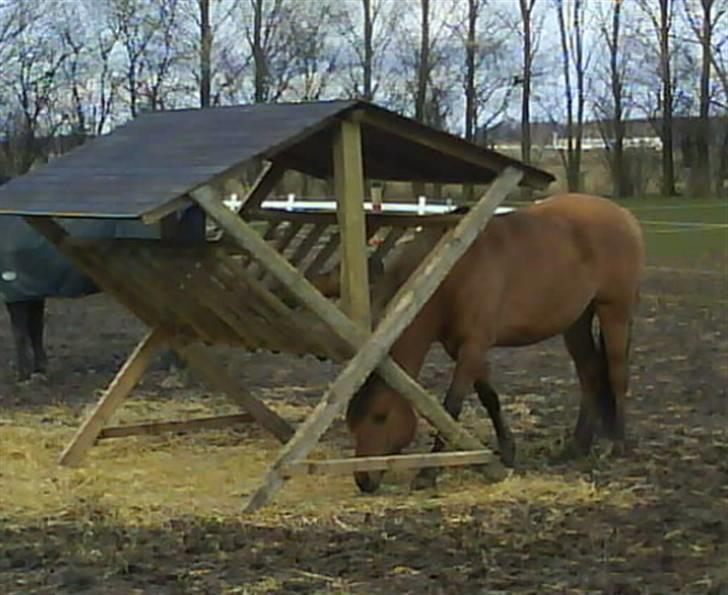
400,264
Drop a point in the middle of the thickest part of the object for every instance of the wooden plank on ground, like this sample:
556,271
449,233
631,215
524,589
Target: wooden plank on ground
388,463
187,425
120,387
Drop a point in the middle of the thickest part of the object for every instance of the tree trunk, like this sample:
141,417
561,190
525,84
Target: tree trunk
423,68
368,49
470,107
668,166
702,175
526,6
205,53
423,72
470,120
620,177
261,74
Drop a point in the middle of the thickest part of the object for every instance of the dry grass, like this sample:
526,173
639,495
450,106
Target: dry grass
148,480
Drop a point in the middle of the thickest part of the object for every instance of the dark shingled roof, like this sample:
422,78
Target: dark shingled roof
159,157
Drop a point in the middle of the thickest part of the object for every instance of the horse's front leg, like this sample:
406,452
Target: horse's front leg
467,368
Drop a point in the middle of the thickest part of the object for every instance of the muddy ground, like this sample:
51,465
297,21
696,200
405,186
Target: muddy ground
655,521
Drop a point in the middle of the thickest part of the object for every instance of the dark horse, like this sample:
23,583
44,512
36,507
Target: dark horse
32,270
26,320
534,273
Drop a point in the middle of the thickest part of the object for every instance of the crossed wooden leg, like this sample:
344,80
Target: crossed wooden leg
130,374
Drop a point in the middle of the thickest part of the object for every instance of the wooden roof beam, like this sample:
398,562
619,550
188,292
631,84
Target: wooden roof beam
449,145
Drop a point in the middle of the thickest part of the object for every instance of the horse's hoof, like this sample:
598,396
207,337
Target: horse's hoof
425,480
572,451
508,453
620,449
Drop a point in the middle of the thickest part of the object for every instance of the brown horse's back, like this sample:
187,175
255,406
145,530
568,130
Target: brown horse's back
534,271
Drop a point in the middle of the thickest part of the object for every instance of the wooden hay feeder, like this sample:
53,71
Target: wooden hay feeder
252,289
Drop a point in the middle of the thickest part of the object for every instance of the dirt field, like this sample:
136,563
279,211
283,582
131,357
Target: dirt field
162,514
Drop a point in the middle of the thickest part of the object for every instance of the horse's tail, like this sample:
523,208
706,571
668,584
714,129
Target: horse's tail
606,401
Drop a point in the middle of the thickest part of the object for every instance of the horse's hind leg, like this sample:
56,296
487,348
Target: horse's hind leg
490,400
616,321
580,345
18,312
36,310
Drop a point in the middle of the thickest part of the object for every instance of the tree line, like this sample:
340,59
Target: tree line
78,69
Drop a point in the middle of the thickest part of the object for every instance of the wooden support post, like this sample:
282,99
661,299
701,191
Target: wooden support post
125,380
263,186
371,353
217,376
349,184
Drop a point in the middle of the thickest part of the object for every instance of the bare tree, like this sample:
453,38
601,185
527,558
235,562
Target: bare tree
528,46
474,7
572,60
612,111
205,53
662,22
368,57
423,61
31,77
130,22
315,55
368,35
488,78
703,26
269,44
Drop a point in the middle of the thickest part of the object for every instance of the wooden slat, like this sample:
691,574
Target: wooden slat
122,384
387,463
168,290
202,287
307,244
323,256
393,235
187,425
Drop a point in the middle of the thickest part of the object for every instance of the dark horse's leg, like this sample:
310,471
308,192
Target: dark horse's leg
36,311
19,316
489,398
590,370
467,369
615,320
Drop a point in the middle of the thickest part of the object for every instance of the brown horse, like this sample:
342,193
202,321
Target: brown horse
534,273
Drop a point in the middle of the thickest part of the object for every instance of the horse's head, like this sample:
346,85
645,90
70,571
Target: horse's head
382,422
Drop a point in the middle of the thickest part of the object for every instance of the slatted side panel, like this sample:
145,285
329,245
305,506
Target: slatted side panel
205,293
311,241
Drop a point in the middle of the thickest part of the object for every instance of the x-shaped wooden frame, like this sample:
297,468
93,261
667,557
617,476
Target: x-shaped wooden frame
369,349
